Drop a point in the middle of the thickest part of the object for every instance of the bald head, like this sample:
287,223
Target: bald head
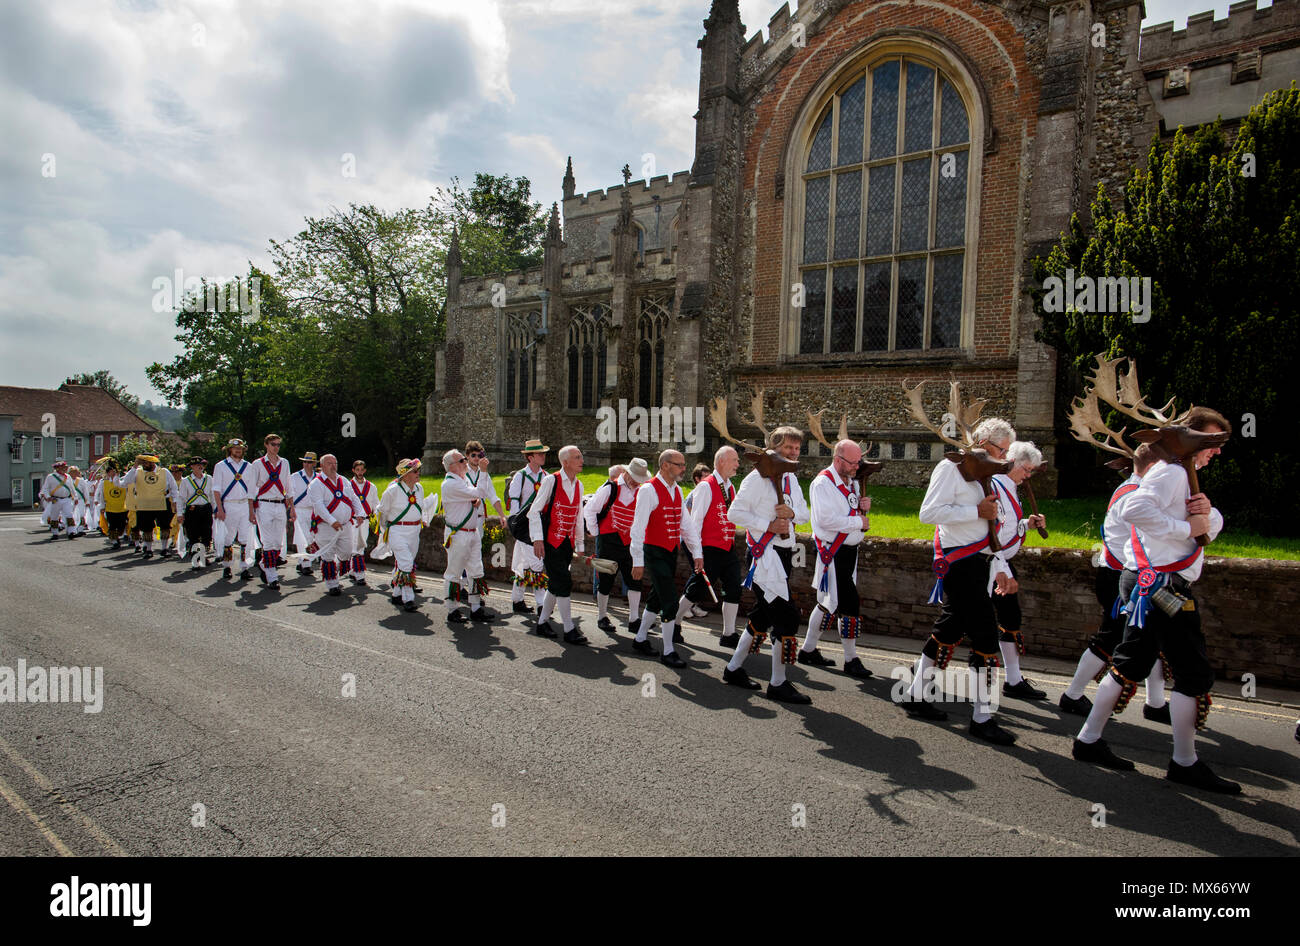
329,465
671,465
726,461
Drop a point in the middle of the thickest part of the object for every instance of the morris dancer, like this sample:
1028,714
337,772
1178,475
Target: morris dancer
197,500
272,506
1003,586
57,491
658,530
331,524
113,497
298,484
608,516
400,520
1162,560
365,497
961,511
528,570
462,500
155,498
769,520
557,533
232,485
80,500
839,522
708,503
1110,565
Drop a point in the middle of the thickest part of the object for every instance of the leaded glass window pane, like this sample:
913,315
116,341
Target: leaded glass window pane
812,321
573,377
659,373
884,109
880,210
848,203
945,306
875,306
920,108
911,304
950,213
952,118
816,220
844,308
819,157
510,381
588,374
914,213
852,105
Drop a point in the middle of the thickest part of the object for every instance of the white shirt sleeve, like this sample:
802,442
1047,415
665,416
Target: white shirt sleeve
647,500
797,503
830,510
535,510
744,510
594,505
939,506
691,532
1160,489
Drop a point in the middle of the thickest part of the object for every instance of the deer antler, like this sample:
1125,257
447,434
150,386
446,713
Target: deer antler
1086,423
815,428
1131,396
718,417
963,416
756,405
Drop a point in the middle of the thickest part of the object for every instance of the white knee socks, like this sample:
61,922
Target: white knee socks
742,651
1089,666
729,612
1102,706
1156,686
1182,714
1011,660
814,630
778,668
565,617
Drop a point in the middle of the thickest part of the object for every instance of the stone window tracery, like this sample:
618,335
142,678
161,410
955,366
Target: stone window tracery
586,354
652,330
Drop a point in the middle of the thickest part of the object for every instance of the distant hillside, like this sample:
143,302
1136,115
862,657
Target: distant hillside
162,416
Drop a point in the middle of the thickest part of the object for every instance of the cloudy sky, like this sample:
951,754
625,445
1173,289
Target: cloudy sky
145,136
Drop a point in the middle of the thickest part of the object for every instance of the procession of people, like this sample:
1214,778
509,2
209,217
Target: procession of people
641,523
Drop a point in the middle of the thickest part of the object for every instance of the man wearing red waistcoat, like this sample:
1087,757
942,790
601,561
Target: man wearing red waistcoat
658,529
556,536
713,497
608,516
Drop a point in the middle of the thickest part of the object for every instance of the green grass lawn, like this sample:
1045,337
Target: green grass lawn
1073,523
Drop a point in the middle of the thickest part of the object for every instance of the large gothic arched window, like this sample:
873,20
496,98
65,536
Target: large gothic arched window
882,251
586,355
520,359
651,330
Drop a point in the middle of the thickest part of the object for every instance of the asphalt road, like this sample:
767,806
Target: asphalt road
488,740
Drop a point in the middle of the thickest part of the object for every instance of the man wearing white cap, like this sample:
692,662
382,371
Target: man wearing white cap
332,509
232,484
302,511
608,515
529,571
155,488
58,491
400,521
462,503
272,505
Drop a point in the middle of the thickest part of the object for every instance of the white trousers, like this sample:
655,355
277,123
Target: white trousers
464,555
60,510
270,524
335,545
405,543
237,528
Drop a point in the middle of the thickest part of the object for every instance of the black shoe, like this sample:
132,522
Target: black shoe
396,601
1080,707
196,568
606,625
456,617
544,629
334,592
729,640
225,573
247,575
644,647
814,658
411,606
162,554
520,608
301,570
990,731
786,693
148,553
480,616
275,585
855,669
1198,775
923,709
261,574
1024,690
739,678
575,638
671,659
1101,754
1160,715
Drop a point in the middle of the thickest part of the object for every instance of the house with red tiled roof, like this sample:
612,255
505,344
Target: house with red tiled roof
78,422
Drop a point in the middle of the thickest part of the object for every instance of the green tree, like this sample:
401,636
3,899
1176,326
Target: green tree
501,227
1216,227
104,379
365,292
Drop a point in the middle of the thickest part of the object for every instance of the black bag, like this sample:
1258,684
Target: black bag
517,521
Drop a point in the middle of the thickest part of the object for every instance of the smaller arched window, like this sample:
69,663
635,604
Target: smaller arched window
586,355
652,332
520,359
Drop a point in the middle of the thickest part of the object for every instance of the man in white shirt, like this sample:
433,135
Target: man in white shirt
555,526
528,570
708,504
1162,561
462,503
400,521
961,513
231,484
302,538
839,522
272,505
658,530
197,501
366,499
155,489
769,518
57,491
1109,563
332,506
609,515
